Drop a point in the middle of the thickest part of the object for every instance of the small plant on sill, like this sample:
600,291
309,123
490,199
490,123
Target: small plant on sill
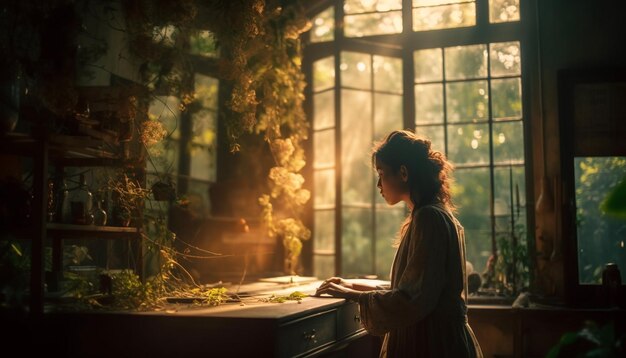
511,267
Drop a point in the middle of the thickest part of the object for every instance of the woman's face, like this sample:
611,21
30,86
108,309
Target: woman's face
393,186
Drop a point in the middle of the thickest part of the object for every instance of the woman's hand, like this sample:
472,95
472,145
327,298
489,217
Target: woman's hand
336,280
337,287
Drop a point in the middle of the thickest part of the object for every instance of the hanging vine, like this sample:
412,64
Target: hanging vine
260,61
261,56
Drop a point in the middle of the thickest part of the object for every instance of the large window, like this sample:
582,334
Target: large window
188,155
438,75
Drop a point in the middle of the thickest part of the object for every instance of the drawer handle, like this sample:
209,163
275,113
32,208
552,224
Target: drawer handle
357,318
310,336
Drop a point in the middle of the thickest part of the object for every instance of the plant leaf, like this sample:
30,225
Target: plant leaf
615,202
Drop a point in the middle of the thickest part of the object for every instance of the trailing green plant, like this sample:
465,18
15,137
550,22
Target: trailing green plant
591,340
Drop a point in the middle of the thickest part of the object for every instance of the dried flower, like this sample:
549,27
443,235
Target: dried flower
152,132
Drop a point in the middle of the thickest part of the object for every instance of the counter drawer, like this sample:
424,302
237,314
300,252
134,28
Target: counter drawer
348,320
306,334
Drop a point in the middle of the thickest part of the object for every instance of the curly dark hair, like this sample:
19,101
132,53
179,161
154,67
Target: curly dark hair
428,170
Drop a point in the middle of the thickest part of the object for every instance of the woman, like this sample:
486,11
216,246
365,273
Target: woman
423,313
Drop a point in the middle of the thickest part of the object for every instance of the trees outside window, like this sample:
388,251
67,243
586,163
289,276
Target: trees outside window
450,70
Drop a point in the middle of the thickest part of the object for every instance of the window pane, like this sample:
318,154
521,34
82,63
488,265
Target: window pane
324,148
467,101
600,236
323,26
468,144
429,103
506,59
164,156
324,230
360,6
324,266
356,141
324,110
471,191
357,235
435,2
506,98
324,192
503,10
204,128
387,114
165,153
356,70
324,74
508,142
508,195
434,133
198,196
444,16
203,43
428,65
206,90
464,62
387,74
373,24
388,222
203,163
166,109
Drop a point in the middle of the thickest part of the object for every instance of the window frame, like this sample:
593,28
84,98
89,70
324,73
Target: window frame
403,45
565,196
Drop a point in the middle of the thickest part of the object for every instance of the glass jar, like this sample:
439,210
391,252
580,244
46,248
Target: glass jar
80,203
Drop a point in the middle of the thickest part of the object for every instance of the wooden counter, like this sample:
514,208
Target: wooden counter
312,327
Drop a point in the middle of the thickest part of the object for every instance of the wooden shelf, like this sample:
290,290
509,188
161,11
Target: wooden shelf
87,231
64,149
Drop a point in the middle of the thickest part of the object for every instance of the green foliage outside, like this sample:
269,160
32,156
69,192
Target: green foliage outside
600,228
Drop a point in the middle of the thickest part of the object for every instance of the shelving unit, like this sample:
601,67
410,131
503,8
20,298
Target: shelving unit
63,151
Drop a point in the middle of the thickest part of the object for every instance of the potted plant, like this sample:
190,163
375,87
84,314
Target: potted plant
127,197
163,191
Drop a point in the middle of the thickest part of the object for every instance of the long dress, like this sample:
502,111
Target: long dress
424,312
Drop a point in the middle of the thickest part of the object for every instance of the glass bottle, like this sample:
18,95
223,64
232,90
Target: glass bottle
80,202
99,214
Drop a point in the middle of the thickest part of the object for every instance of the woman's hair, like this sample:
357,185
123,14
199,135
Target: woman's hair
428,170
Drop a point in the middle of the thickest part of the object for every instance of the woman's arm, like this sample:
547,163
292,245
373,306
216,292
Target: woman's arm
420,279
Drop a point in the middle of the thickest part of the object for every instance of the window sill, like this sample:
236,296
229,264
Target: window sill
490,300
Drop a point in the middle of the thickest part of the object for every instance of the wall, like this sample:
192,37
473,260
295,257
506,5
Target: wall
533,332
577,34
